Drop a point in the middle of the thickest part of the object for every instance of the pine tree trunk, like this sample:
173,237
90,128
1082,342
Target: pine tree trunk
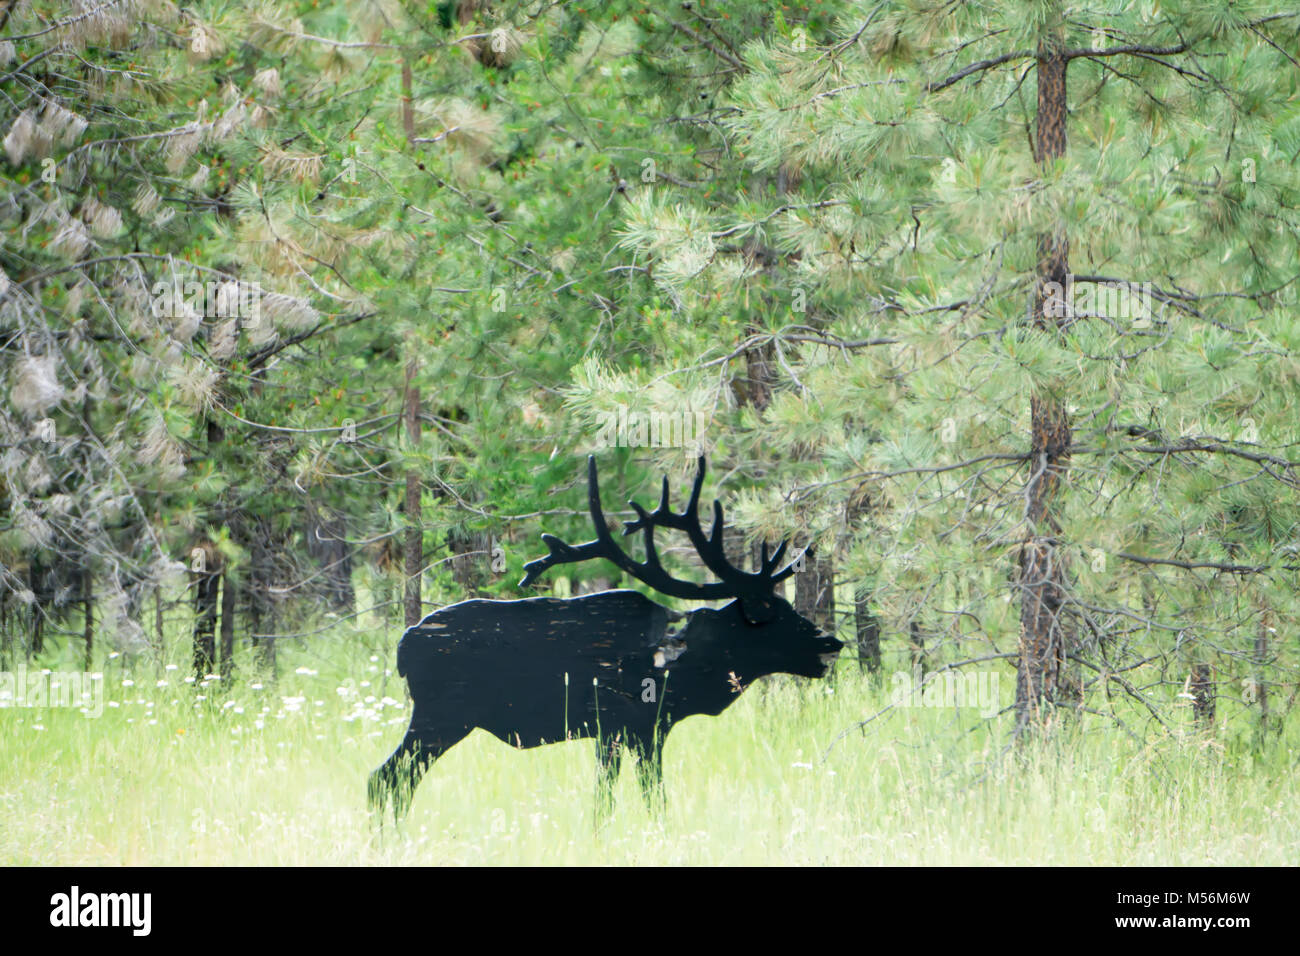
1261,661
259,610
207,582
867,627
160,645
1045,640
260,618
227,624
916,639
814,593
6,639
87,586
88,618
414,532
755,388
472,555
35,577
414,550
1202,691
327,545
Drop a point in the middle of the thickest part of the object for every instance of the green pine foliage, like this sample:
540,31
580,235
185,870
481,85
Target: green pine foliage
237,236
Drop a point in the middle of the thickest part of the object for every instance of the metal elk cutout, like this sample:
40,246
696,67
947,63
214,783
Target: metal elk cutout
612,665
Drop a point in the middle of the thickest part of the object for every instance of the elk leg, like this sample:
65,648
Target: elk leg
396,774
400,774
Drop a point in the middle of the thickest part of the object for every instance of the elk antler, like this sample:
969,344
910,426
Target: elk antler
754,590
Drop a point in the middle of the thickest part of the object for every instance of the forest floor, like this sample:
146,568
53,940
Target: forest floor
274,773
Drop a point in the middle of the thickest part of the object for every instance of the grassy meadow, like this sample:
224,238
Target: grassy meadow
273,772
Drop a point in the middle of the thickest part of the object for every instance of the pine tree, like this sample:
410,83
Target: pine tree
1031,298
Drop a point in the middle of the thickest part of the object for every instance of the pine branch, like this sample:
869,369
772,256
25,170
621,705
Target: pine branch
1195,565
978,67
709,45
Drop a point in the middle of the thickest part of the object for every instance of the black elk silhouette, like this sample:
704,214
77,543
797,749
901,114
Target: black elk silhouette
612,665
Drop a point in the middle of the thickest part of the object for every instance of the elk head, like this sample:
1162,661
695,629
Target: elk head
770,632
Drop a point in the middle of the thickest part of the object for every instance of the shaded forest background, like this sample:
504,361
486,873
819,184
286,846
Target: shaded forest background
311,311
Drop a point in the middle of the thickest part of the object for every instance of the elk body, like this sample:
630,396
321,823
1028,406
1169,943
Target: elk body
614,665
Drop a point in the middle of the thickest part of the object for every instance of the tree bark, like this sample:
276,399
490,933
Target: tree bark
755,388
260,617
159,646
1202,691
227,624
414,531
88,618
1261,661
414,550
470,558
207,580
814,593
36,581
327,544
1045,638
867,627
87,585
916,639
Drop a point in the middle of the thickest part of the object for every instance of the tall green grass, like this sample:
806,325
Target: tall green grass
265,772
